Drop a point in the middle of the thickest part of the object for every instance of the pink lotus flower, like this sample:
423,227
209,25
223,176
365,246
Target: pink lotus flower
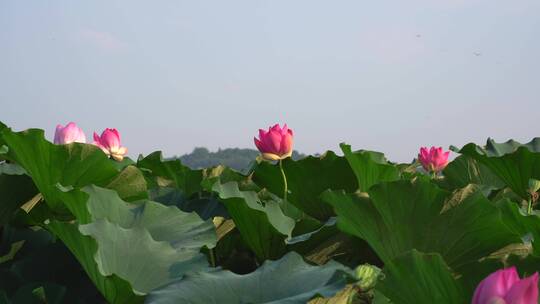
109,142
276,143
505,287
68,134
434,159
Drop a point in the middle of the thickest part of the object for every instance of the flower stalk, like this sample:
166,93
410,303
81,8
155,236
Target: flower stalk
285,190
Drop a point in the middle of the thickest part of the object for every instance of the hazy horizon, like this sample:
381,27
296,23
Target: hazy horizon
176,75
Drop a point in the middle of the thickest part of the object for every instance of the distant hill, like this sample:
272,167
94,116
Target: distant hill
238,159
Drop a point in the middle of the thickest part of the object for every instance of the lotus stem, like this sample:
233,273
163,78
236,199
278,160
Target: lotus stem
285,190
211,253
529,207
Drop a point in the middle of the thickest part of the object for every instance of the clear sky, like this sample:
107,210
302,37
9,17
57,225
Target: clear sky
171,75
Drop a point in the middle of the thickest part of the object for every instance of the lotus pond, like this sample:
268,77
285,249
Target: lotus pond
83,223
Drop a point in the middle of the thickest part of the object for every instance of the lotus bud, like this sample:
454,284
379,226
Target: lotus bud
68,134
505,287
109,142
276,143
367,276
434,159
534,185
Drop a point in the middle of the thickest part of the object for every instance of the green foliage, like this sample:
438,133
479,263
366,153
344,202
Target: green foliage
389,221
289,280
114,289
207,206
465,170
307,179
234,158
163,242
514,164
77,227
260,220
74,165
526,226
417,277
369,167
170,173
36,260
494,149
129,184
15,189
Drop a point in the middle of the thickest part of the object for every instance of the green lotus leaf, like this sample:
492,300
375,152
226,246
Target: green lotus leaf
464,170
416,277
207,206
289,280
494,149
318,228
514,164
114,289
42,259
16,188
526,226
404,215
48,164
260,220
129,184
170,173
161,242
307,179
369,167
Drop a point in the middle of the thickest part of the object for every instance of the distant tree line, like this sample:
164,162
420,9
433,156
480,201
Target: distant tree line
236,158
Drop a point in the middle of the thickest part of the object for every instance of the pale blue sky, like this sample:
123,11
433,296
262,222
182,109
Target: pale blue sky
171,75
